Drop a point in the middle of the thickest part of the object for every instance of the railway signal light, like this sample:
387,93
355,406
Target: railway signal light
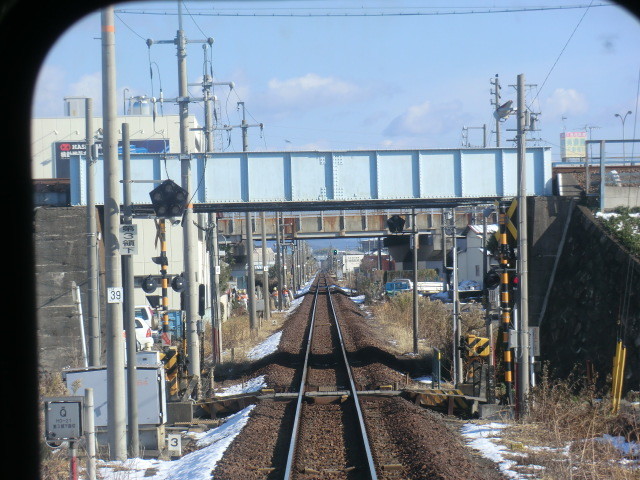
168,199
515,288
149,284
335,252
395,224
201,299
491,279
178,283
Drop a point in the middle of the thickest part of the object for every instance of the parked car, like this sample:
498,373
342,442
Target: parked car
398,286
147,314
144,335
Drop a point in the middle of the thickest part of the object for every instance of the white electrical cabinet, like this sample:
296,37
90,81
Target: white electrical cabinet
152,405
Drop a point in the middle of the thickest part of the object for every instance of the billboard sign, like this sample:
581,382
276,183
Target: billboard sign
63,151
573,144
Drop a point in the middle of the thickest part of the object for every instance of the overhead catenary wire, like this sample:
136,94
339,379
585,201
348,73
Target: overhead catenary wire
562,52
359,13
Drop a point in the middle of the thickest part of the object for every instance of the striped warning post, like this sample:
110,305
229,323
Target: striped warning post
477,346
441,399
170,361
505,301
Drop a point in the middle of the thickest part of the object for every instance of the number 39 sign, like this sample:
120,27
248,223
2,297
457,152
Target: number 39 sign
114,295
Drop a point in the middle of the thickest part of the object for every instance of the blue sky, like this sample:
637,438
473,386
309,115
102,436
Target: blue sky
365,82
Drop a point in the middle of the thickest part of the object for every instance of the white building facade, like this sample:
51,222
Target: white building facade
471,251
54,140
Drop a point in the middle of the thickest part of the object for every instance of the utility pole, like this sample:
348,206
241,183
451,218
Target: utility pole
280,262
129,304
251,275
265,269
415,241
496,103
93,308
212,228
522,269
458,374
117,429
214,281
188,225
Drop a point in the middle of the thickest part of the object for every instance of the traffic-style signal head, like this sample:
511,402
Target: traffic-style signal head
149,284
395,224
491,279
335,252
168,199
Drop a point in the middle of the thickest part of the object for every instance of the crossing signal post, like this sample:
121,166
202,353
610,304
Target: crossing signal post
506,304
168,199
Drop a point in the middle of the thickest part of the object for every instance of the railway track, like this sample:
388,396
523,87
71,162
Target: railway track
326,423
336,432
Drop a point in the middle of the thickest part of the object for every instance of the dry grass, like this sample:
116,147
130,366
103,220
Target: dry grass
238,338
435,322
562,429
54,463
558,437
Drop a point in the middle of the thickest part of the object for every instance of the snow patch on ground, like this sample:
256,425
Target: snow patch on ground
253,385
426,379
265,348
484,439
196,465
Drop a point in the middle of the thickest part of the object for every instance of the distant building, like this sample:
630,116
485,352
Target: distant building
54,140
370,262
573,146
470,252
351,261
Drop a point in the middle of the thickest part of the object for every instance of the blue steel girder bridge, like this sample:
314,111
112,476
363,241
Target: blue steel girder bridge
331,180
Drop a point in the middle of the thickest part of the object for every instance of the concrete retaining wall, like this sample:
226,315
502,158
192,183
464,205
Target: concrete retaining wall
594,279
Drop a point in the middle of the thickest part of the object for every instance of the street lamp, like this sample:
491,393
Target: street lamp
622,119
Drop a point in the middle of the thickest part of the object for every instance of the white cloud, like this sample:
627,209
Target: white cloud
426,118
565,101
310,90
47,101
88,86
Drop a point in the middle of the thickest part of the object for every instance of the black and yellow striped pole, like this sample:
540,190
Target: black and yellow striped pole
505,301
164,283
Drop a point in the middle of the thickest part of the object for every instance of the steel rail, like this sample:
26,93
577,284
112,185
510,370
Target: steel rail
354,394
296,420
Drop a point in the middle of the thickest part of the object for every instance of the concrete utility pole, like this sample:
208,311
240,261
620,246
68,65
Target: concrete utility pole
190,253
90,433
458,374
280,260
117,429
93,304
129,304
415,241
212,231
265,269
251,275
214,280
188,225
522,264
